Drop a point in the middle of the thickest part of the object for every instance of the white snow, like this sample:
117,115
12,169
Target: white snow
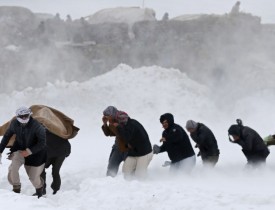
145,94
128,15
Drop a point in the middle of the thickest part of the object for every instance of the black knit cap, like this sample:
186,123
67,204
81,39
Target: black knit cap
234,130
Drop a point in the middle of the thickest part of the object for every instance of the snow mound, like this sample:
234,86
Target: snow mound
127,15
141,92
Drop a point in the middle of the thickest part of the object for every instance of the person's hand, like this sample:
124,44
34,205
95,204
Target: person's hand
24,153
162,139
10,155
104,120
115,124
156,149
166,163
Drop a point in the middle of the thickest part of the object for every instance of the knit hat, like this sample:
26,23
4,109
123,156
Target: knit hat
110,111
234,130
191,124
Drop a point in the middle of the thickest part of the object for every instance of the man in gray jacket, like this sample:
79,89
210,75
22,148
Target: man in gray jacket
29,149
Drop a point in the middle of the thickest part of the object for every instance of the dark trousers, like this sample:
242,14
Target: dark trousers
210,160
116,157
56,163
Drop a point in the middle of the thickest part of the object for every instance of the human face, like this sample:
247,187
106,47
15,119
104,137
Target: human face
23,119
234,137
165,124
191,130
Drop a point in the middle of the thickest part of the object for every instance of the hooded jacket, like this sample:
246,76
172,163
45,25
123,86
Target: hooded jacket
253,145
177,144
31,136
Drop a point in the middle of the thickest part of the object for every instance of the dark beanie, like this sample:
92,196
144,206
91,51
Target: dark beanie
167,116
234,130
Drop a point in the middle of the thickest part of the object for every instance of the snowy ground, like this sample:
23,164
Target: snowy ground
145,94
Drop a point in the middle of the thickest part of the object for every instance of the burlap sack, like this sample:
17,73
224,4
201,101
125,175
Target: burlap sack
54,120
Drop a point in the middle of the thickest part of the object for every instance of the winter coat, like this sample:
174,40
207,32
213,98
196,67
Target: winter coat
177,143
205,141
135,137
253,145
111,130
32,136
57,146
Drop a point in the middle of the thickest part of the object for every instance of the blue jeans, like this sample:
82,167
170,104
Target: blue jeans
116,157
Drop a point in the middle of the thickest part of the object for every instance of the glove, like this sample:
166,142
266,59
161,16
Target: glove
0,158
104,120
166,163
156,149
10,155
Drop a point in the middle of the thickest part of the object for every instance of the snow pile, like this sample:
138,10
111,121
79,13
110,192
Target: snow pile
128,15
144,93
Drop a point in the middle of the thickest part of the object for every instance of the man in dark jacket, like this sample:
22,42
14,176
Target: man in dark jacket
137,140
177,144
119,150
205,141
252,144
29,149
57,150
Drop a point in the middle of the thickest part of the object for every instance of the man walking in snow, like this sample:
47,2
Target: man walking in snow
205,141
137,140
29,149
177,144
252,144
119,149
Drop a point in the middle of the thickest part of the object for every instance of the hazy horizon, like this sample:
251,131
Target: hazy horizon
262,8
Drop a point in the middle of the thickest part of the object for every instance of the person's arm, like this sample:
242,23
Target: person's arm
5,140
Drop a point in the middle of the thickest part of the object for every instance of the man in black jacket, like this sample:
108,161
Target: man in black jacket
177,144
29,149
140,149
205,141
252,144
57,150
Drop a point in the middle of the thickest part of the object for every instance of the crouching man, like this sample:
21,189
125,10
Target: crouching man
252,144
29,149
140,149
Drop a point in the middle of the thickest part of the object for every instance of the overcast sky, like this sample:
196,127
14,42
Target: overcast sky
82,8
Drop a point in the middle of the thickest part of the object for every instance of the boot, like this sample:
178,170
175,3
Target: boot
43,193
16,188
39,192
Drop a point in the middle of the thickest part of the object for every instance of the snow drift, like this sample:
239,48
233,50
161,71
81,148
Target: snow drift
144,93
